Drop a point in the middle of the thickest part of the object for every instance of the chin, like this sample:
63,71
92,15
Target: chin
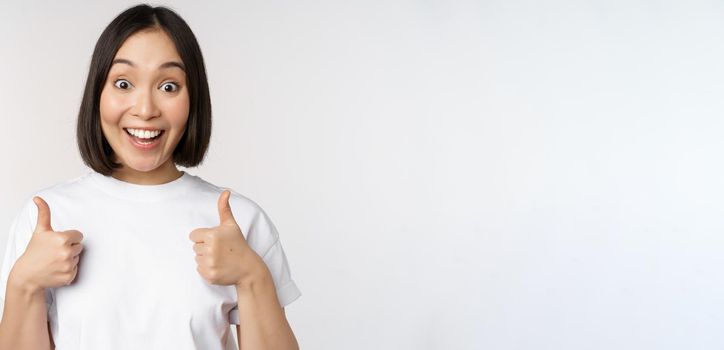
141,166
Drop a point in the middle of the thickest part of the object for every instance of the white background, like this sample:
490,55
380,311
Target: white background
444,175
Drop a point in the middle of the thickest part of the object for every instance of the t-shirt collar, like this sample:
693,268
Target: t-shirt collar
142,193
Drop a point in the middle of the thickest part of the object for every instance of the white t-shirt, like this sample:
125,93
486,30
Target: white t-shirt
137,286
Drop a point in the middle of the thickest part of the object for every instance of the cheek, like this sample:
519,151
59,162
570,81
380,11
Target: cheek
177,111
110,108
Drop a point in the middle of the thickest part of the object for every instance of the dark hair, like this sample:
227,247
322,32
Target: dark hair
94,148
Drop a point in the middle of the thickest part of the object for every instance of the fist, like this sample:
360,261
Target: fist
51,258
222,254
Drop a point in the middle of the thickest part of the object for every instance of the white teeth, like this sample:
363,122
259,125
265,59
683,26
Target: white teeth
144,134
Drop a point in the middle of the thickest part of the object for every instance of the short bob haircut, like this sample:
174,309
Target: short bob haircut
191,149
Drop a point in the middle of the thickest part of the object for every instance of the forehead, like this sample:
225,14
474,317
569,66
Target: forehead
148,48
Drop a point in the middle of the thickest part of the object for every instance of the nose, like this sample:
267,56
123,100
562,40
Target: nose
145,106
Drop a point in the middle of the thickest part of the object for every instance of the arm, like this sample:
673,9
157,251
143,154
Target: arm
223,257
24,323
263,322
50,336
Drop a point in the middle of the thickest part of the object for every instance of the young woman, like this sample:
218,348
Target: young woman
137,254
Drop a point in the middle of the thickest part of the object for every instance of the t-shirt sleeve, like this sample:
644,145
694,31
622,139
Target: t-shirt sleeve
276,262
18,237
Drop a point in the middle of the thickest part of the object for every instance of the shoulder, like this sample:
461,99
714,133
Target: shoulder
25,216
69,189
251,218
245,210
61,191
237,200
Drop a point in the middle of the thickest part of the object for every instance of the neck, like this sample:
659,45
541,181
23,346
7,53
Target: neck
161,175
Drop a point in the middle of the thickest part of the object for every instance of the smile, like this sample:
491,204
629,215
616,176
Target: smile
143,134
144,139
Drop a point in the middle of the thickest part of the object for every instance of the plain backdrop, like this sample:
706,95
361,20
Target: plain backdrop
500,174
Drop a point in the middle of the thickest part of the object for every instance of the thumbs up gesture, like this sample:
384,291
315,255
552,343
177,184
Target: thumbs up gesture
222,254
51,257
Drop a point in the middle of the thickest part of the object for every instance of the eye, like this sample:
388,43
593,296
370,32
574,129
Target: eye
122,84
169,87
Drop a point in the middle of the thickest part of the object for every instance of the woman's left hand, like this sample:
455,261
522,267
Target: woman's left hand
222,254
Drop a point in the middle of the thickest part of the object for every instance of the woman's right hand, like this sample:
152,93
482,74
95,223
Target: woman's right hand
51,258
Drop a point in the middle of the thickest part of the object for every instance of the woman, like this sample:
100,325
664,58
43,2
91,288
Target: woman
137,254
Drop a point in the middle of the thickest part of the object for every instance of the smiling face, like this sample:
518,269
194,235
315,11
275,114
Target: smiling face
145,95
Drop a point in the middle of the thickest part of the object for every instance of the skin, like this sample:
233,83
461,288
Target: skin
140,92
145,87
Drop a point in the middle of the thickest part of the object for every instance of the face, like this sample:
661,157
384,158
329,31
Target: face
144,103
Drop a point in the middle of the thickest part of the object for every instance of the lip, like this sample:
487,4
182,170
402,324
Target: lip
144,147
142,128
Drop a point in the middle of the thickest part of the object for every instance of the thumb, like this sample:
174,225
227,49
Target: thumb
43,223
225,214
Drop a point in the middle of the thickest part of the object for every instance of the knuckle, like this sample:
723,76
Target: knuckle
66,255
68,267
60,239
75,235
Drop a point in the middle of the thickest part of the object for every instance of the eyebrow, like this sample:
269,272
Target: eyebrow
169,64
